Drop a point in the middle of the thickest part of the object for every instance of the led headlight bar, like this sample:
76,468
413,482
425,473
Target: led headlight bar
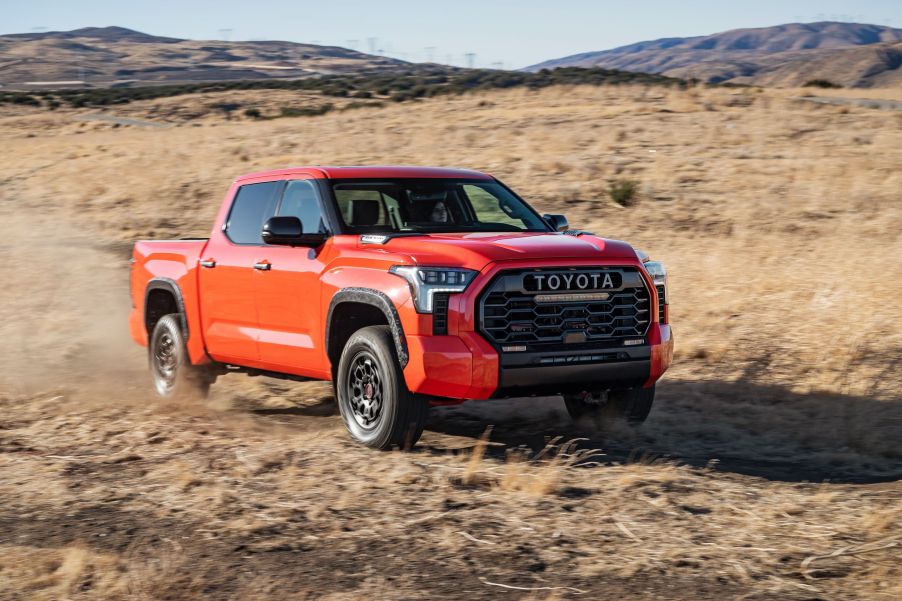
655,269
425,282
657,272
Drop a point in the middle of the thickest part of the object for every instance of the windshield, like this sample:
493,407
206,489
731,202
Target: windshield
432,205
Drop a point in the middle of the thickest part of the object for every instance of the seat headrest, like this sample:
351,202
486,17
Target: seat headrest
364,211
422,211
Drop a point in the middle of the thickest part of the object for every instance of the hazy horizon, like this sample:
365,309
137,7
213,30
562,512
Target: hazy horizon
498,34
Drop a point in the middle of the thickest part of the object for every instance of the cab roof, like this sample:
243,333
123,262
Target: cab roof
363,172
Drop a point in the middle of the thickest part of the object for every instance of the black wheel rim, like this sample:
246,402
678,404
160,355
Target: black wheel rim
364,390
165,363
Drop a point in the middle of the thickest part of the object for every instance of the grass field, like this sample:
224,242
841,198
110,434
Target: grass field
769,468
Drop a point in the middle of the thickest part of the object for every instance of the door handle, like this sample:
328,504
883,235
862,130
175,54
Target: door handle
263,265
207,263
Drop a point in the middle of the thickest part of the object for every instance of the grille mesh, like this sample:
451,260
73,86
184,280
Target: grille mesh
514,317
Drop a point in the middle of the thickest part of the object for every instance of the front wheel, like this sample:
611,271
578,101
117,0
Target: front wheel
373,399
632,405
174,377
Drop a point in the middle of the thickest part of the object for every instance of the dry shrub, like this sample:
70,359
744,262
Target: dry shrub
624,192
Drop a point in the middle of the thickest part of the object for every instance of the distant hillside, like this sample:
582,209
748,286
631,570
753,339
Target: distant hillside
116,56
850,54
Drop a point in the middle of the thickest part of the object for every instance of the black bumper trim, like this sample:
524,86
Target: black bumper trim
564,379
534,374
543,359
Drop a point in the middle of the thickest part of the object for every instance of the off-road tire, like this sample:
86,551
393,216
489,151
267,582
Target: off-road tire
174,377
632,405
373,399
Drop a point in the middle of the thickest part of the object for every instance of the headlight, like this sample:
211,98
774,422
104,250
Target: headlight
657,272
426,281
655,269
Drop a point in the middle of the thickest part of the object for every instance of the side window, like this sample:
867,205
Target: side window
253,205
300,200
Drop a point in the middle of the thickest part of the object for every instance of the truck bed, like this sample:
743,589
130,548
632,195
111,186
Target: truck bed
167,265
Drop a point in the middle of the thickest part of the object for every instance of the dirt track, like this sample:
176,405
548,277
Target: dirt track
758,463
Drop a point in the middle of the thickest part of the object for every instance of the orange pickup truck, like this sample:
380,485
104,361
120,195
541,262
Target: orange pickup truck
406,287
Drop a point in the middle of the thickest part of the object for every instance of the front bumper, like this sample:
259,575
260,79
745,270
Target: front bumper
463,365
467,367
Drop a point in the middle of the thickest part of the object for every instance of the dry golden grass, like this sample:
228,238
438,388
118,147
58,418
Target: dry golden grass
779,221
866,93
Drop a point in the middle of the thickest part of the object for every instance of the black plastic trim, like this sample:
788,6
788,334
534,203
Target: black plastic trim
662,300
564,379
575,356
440,302
170,285
379,300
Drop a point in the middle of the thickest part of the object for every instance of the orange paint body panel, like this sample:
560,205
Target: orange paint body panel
267,307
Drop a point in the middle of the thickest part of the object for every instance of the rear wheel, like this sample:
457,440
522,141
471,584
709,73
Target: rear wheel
632,405
174,377
373,399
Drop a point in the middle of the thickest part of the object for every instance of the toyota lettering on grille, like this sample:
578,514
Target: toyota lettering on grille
570,281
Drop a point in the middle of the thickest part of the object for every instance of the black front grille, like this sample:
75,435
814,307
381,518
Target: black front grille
661,303
511,315
440,314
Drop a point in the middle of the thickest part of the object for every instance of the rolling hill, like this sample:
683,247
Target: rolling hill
850,54
115,56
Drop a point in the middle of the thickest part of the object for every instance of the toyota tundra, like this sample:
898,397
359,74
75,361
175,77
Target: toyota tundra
406,287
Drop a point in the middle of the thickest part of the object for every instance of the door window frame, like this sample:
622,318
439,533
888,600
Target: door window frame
319,187
324,216
272,201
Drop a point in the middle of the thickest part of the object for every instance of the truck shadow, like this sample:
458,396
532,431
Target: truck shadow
740,427
324,407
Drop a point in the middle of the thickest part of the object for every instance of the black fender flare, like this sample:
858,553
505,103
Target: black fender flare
380,300
171,286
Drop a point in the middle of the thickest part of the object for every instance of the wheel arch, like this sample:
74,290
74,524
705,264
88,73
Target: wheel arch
347,299
161,295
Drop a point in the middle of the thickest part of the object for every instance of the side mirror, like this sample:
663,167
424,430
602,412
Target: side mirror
557,222
288,231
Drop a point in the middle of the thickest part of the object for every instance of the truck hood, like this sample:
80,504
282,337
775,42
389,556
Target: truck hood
476,250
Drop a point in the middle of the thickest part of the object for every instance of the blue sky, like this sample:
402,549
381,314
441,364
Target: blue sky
508,33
